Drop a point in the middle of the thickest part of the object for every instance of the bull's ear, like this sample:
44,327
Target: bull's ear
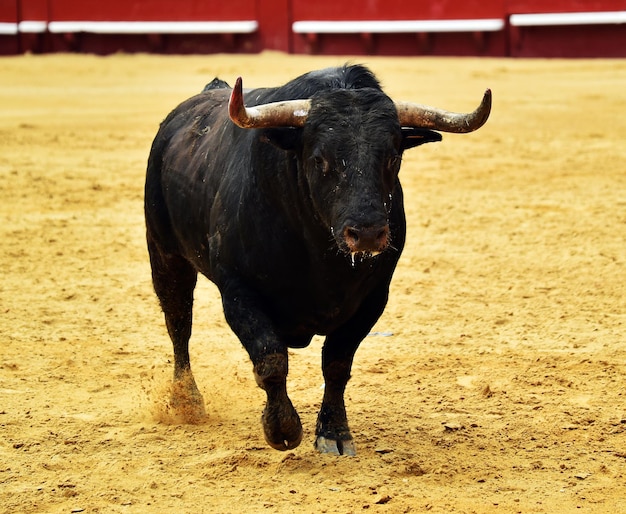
418,136
283,138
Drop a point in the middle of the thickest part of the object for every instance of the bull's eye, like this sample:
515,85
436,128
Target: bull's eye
393,164
321,164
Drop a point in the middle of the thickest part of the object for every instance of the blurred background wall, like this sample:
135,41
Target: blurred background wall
499,28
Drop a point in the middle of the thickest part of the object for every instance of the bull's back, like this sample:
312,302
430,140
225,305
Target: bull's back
183,173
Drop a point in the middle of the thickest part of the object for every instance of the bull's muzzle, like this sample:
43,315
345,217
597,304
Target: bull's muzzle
366,240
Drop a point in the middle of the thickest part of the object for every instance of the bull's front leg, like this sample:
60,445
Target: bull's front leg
281,423
332,431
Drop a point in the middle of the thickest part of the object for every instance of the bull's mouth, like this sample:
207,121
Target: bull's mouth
356,257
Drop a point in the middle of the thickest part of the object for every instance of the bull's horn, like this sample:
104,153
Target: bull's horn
414,115
291,113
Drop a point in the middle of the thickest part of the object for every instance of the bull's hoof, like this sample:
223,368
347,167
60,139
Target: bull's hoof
281,423
335,447
282,427
186,401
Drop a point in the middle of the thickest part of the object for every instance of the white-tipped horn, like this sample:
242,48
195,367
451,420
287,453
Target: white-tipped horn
415,115
290,113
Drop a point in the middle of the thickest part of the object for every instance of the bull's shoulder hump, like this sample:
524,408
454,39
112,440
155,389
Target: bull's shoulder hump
216,83
205,101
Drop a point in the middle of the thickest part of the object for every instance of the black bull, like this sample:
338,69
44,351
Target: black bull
293,208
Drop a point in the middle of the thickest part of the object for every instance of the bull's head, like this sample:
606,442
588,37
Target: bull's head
349,151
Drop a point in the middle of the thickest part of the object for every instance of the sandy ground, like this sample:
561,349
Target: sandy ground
494,382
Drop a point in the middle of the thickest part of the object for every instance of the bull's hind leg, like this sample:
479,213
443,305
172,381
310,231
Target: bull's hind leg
174,281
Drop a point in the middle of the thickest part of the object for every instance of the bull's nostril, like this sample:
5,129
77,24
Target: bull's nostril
352,234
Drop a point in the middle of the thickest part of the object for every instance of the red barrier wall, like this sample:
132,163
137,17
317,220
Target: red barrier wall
400,43
152,10
8,27
567,40
8,12
552,6
389,10
37,26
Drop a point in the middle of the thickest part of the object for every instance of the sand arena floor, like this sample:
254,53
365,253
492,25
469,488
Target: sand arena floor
494,382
